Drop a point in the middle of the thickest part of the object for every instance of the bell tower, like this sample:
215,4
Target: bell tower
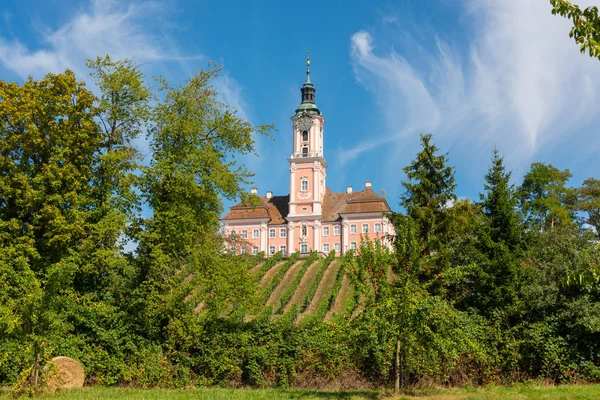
307,163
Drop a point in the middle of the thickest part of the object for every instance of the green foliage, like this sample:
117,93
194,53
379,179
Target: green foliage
589,203
544,198
268,264
338,280
466,295
291,289
315,284
586,25
278,277
429,190
499,204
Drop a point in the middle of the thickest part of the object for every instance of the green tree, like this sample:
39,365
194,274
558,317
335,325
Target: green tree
428,192
560,327
586,25
122,109
194,141
48,142
544,198
500,241
589,203
499,204
404,332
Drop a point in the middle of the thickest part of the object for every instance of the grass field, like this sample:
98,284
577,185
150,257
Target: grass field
517,392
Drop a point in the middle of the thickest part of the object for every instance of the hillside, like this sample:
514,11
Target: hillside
317,287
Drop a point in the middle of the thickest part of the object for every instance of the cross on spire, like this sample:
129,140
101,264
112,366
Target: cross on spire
307,66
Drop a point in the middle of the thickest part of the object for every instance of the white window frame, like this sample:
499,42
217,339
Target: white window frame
254,250
255,233
233,233
353,245
233,250
272,250
353,229
377,227
338,247
307,136
304,185
325,231
283,249
325,247
365,228
243,250
272,233
282,232
244,234
336,230
304,248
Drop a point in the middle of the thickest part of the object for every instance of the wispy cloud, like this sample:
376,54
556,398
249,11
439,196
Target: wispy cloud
134,30
389,19
105,27
520,83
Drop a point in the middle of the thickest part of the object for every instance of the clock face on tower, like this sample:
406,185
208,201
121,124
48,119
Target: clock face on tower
304,123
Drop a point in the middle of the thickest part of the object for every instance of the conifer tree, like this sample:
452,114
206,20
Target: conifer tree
428,192
500,241
499,204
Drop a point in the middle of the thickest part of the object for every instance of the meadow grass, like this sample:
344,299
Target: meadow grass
515,392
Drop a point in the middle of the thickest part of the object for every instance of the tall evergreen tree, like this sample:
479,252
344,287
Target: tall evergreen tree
499,204
500,241
428,193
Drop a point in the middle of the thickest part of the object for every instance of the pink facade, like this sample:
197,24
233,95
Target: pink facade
311,217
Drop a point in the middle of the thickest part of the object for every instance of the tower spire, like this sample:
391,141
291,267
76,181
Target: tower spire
308,67
308,93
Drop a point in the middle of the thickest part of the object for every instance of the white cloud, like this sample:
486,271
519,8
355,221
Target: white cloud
106,27
389,19
134,30
522,84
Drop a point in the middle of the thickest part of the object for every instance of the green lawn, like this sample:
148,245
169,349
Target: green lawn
205,394
517,392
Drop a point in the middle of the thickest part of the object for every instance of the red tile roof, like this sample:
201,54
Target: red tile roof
276,208
365,201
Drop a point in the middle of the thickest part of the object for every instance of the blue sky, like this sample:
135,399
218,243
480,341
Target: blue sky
474,73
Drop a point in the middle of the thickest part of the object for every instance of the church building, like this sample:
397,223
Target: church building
311,217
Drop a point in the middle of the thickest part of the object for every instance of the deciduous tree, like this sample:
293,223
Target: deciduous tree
586,25
589,203
544,198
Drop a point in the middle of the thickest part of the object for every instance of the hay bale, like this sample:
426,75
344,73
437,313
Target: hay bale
66,373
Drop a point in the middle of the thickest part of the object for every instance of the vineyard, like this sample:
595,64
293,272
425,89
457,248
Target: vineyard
313,287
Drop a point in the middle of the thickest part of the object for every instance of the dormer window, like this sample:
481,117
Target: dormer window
305,151
305,136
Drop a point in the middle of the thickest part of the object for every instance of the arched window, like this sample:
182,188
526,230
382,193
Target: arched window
305,136
304,151
304,184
